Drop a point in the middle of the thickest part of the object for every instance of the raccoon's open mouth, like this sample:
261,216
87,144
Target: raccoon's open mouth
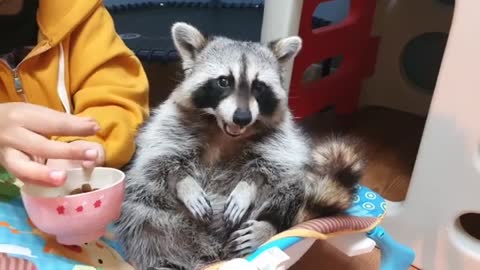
233,130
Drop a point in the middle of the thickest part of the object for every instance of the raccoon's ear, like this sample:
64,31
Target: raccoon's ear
285,49
188,40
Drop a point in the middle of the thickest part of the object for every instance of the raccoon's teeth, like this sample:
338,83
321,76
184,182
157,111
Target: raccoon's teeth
234,130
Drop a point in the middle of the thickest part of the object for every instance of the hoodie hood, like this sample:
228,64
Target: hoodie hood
57,18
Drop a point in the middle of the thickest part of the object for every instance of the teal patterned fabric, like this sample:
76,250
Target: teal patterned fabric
14,217
367,203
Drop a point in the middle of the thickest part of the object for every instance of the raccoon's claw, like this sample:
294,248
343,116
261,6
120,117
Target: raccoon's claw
200,208
238,203
249,237
234,212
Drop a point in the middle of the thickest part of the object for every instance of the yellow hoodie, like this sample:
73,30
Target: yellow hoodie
81,66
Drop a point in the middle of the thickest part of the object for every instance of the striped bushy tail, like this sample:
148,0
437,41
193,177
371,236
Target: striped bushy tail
336,167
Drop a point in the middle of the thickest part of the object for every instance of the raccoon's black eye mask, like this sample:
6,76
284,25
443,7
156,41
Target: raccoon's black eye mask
259,87
266,98
212,92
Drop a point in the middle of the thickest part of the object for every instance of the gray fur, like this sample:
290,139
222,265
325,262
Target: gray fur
195,195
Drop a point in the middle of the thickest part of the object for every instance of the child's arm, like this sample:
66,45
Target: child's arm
108,83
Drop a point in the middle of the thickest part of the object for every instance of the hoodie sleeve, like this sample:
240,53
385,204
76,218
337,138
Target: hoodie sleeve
107,82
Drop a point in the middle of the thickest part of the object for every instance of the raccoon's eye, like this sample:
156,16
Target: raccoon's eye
223,82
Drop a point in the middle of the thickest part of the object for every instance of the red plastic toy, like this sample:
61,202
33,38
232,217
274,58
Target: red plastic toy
350,39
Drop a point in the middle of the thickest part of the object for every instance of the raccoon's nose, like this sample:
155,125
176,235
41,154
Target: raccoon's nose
242,117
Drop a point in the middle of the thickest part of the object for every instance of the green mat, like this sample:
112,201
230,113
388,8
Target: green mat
8,189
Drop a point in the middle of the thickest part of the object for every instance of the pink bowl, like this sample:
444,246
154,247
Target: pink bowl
76,219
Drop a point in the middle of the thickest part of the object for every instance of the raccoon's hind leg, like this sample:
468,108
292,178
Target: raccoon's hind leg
251,235
156,238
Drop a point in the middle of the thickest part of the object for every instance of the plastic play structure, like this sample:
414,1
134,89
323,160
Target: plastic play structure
444,183
372,40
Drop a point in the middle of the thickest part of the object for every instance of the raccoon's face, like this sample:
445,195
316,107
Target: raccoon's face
240,83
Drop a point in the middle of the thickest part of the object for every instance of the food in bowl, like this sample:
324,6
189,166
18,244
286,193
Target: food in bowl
85,188
81,217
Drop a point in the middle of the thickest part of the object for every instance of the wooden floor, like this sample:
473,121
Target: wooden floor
392,139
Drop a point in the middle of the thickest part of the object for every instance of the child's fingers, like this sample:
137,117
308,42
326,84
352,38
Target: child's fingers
28,171
37,145
49,122
100,158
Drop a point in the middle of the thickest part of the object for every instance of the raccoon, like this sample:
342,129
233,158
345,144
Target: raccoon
221,166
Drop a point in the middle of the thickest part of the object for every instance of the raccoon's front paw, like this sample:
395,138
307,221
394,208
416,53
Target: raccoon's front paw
239,202
249,237
195,199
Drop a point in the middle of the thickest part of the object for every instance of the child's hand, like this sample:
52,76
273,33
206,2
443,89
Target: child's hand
97,153
24,132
